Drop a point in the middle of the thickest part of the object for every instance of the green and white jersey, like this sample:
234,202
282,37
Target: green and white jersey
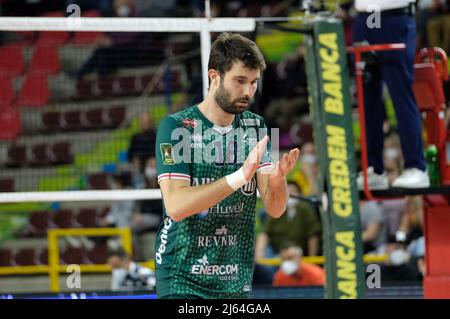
209,254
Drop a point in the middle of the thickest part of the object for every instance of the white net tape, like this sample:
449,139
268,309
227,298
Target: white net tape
127,24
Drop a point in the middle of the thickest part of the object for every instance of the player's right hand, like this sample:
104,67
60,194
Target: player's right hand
253,160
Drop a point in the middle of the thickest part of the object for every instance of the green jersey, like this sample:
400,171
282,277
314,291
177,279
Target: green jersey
209,254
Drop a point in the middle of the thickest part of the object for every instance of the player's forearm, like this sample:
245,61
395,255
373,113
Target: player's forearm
276,198
191,200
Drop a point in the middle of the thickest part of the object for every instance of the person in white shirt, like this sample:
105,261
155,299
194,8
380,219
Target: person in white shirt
128,275
396,24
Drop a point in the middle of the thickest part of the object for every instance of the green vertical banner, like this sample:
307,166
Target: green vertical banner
328,84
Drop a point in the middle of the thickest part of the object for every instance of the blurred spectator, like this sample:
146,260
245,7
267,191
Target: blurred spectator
128,275
148,217
300,225
295,272
393,210
372,226
306,174
120,213
417,251
426,11
292,101
406,249
411,225
399,266
395,68
142,149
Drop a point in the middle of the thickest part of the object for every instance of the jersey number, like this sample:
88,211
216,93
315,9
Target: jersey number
230,153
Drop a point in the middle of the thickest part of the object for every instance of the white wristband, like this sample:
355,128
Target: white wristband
236,180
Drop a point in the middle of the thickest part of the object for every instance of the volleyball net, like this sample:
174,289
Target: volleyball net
77,91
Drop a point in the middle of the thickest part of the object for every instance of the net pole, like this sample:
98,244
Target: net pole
205,43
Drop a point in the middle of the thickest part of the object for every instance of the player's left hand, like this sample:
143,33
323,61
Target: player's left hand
285,165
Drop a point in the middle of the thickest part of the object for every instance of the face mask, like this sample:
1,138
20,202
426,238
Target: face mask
123,11
398,257
289,267
391,153
292,202
150,172
308,159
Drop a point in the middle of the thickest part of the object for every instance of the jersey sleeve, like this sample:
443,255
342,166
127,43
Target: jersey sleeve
266,159
170,163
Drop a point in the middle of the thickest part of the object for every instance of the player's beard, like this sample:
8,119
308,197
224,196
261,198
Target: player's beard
223,98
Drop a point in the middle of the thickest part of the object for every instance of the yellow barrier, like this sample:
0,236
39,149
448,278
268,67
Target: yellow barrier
320,260
53,249
54,268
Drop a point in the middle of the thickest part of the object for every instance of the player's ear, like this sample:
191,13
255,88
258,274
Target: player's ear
214,77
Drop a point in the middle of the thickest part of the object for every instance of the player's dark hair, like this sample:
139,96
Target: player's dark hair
232,47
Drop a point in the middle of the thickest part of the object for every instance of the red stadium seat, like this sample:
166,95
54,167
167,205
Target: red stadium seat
98,254
6,185
6,91
45,61
93,119
17,156
71,121
10,123
114,116
42,256
72,255
54,14
25,257
6,257
51,122
53,38
39,223
98,181
11,60
61,153
63,218
87,218
39,155
35,91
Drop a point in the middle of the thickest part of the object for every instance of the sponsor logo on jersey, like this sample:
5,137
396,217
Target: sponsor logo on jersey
163,238
167,154
190,123
249,140
197,141
249,188
228,211
221,238
223,272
